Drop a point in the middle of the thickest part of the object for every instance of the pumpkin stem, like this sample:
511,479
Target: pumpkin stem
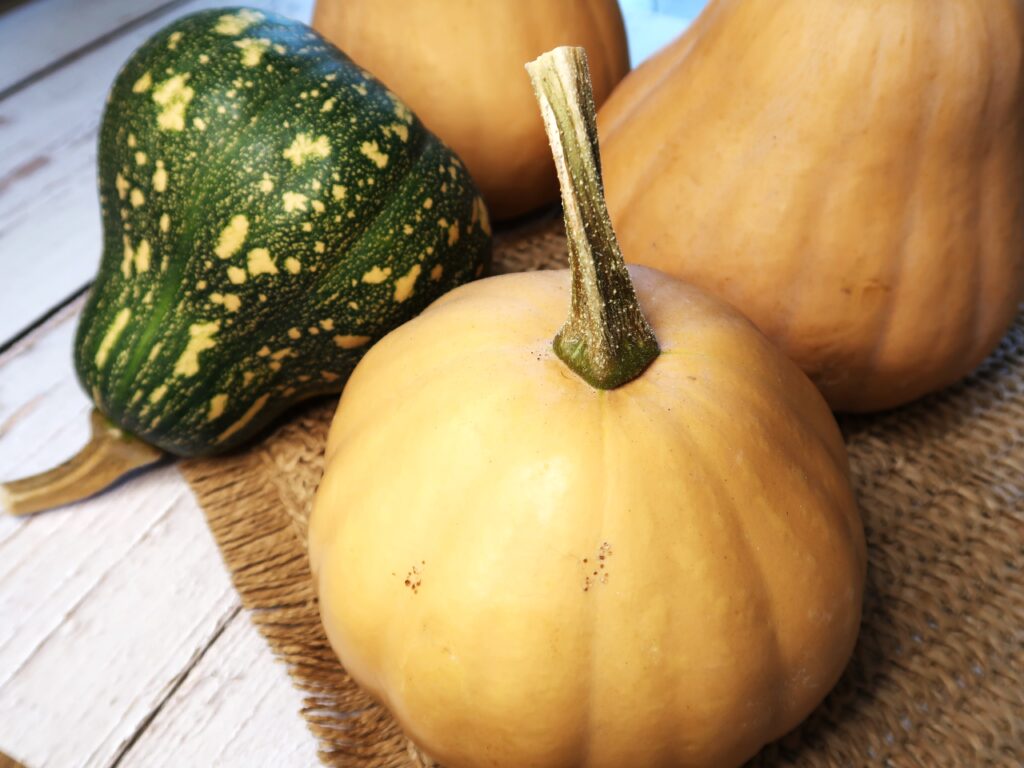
606,340
109,454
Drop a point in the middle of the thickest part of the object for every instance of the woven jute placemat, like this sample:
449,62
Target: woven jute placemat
937,678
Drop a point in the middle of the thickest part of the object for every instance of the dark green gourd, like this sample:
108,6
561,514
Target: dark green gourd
269,211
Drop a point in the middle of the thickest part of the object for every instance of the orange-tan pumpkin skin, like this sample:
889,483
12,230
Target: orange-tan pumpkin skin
849,174
459,65
531,572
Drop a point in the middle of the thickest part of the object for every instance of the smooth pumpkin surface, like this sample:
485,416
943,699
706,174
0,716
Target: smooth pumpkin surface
269,211
849,175
529,571
459,66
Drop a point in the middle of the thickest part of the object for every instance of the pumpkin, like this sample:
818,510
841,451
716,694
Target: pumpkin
850,175
459,66
269,211
635,546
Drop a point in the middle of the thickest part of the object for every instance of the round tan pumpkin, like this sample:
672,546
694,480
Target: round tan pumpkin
661,570
459,66
849,175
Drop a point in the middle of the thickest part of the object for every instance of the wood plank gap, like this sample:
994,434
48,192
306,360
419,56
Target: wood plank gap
44,318
89,47
175,684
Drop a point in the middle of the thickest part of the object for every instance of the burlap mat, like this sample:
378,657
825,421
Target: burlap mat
936,678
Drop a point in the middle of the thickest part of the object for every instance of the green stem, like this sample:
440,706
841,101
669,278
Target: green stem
109,454
606,340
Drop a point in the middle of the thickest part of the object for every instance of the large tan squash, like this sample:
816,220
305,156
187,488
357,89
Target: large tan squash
459,65
848,174
595,553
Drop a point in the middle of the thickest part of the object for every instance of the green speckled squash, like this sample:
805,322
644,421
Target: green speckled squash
269,211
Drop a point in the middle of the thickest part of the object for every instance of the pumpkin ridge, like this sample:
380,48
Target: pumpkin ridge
898,270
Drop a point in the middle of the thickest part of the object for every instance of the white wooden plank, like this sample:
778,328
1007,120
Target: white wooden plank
102,604
105,604
50,237
37,34
235,708
113,639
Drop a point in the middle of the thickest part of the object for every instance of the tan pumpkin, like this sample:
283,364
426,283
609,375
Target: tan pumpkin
849,174
459,66
629,548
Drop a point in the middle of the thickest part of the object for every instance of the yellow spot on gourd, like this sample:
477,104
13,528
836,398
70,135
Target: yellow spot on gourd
122,185
266,183
294,334
407,229
307,226
294,201
372,151
480,214
319,246
143,83
360,89
402,131
142,257
338,191
247,377
173,40
232,237
218,403
252,50
428,203
404,285
165,223
230,301
402,112
328,376
436,272
131,140
127,258
153,352
293,265
327,324
236,275
248,416
158,394
204,59
263,351
140,158
173,97
111,336
328,106
137,198
453,233
201,285
377,275
351,342
199,123
318,206
237,23
353,305
260,262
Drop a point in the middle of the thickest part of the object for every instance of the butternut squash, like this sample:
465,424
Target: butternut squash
850,175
